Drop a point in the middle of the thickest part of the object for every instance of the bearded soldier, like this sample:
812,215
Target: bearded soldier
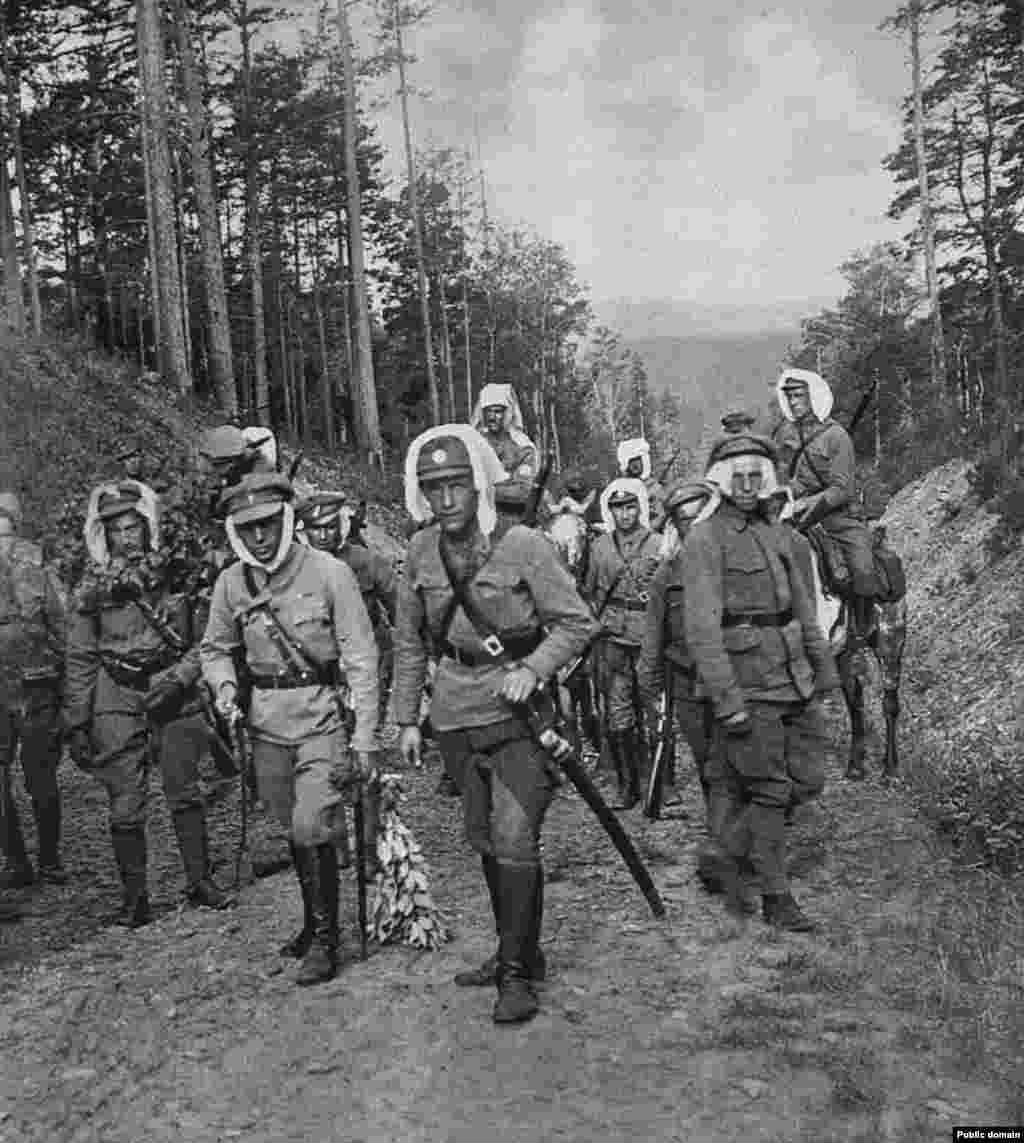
622,566
499,419
298,617
752,631
130,692
665,662
821,476
32,626
324,522
634,458
504,616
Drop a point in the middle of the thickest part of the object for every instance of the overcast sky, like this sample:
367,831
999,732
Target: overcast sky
727,153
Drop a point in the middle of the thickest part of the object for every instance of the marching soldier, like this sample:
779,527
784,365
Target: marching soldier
324,521
634,458
665,663
622,566
821,476
131,674
298,617
753,634
498,418
504,616
32,629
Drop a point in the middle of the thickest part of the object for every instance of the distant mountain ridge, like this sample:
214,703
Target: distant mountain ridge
637,318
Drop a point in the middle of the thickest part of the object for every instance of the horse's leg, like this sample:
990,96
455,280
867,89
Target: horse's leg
888,648
853,692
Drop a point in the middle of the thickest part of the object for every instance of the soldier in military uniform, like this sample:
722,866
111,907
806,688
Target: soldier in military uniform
737,421
324,521
525,620
498,418
32,628
130,692
622,566
821,475
665,663
634,458
298,616
752,632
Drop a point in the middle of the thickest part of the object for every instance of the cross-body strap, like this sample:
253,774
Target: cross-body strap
802,452
291,648
460,598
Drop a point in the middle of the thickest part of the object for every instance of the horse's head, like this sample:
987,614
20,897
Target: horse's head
569,535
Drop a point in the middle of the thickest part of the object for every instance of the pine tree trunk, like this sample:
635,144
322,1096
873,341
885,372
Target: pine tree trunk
12,308
154,279
252,224
417,225
218,328
28,241
446,346
365,392
940,385
154,94
326,391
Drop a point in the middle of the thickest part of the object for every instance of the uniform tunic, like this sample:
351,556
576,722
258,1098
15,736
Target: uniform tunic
516,459
523,591
32,633
736,567
827,466
298,740
622,601
105,636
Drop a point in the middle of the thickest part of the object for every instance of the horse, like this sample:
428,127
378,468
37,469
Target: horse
885,639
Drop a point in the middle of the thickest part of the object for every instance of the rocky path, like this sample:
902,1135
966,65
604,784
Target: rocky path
698,1027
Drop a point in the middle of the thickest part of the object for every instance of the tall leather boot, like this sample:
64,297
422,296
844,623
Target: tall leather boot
320,963
371,826
517,1000
625,747
298,946
19,872
485,974
48,823
130,851
190,827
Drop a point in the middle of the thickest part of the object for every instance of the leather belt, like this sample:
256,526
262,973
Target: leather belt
293,680
628,604
132,675
514,647
757,618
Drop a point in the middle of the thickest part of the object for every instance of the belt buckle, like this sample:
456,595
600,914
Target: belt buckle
494,646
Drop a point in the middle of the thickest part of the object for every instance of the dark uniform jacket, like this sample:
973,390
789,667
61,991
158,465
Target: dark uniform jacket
664,629
376,578
32,618
735,570
636,556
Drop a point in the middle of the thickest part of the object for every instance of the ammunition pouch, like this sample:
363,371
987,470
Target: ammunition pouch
892,580
136,674
41,678
832,565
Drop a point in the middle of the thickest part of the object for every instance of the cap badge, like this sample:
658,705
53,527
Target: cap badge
439,456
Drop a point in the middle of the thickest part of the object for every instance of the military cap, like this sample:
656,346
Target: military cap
10,506
743,444
736,420
118,499
257,496
320,508
575,481
128,451
792,381
443,456
685,491
226,442
622,496
512,493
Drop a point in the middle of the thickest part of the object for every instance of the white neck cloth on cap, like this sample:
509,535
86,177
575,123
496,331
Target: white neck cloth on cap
487,471
626,484
95,531
721,472
819,393
631,450
243,553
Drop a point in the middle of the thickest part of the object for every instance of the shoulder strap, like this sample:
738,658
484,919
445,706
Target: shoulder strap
292,648
460,598
802,452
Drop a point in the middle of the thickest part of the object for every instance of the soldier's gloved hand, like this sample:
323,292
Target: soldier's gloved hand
518,685
737,725
226,706
410,746
80,747
161,701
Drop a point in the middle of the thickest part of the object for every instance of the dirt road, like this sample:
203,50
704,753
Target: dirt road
698,1027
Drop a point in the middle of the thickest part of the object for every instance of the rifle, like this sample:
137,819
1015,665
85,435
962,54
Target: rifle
539,710
359,825
668,467
862,406
664,752
537,490
243,759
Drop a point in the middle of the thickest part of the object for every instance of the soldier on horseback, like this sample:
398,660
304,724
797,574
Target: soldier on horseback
634,458
498,418
821,477
622,565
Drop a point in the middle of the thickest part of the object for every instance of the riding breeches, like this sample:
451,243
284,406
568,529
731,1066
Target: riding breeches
619,681
853,537
298,781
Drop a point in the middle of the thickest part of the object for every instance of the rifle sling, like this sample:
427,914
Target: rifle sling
485,630
291,648
802,452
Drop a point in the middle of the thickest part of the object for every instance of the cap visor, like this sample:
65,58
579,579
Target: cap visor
256,512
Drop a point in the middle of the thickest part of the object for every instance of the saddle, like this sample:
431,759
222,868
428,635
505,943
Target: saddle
835,571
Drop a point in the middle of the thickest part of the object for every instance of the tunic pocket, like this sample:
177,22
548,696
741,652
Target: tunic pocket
736,640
